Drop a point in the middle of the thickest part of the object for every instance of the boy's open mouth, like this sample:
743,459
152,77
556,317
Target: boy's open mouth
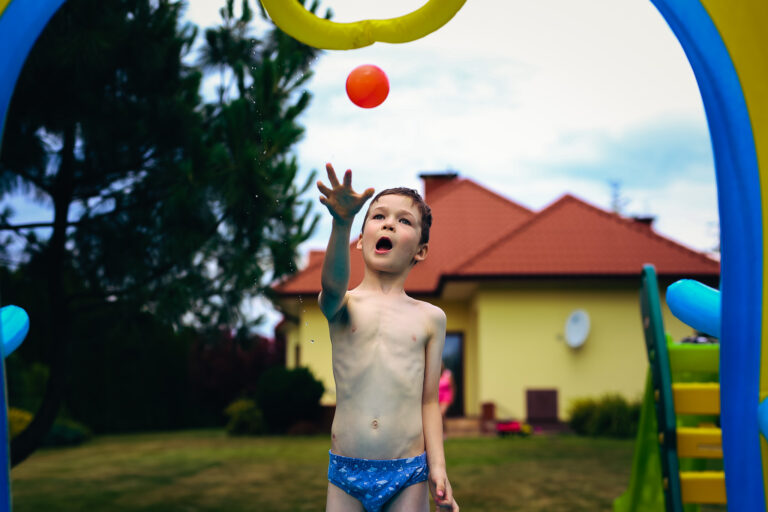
384,245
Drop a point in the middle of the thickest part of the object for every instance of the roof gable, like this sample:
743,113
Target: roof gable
478,233
573,237
466,217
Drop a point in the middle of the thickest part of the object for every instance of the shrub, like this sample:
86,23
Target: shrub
26,382
117,384
581,412
288,396
64,432
611,416
67,433
224,367
245,418
18,419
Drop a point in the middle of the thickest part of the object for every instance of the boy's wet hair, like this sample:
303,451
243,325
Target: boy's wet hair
424,209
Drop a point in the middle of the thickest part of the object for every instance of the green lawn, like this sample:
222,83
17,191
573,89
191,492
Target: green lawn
208,471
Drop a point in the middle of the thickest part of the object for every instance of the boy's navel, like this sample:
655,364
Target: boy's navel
375,424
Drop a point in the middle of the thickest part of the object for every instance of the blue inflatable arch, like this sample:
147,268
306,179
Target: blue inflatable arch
701,26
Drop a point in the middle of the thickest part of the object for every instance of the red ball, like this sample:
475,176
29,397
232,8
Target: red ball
367,86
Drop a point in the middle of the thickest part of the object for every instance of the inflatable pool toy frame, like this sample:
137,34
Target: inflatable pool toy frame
14,326
296,21
727,47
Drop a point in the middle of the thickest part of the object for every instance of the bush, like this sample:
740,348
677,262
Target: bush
26,382
64,432
224,367
67,433
18,419
288,396
245,418
117,383
611,416
580,413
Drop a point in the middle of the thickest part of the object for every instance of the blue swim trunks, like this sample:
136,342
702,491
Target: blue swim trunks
375,482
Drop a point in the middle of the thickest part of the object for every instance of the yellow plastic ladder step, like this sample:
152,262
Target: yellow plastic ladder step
700,443
696,398
703,486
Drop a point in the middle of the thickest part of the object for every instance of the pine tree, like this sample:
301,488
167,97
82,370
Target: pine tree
183,208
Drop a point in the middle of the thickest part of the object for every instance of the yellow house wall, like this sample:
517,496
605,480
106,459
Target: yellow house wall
514,340
461,318
521,344
291,340
314,342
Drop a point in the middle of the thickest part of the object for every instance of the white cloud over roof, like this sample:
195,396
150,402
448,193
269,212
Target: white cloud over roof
533,99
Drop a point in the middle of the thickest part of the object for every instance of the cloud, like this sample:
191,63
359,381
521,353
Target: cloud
531,98
642,156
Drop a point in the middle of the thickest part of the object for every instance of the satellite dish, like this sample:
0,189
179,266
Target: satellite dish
577,328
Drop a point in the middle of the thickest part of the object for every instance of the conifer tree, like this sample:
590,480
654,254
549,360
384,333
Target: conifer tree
159,199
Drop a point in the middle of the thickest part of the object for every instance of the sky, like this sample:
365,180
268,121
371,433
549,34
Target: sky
533,99
530,98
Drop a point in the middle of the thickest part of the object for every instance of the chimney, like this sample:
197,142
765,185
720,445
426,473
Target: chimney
645,221
435,180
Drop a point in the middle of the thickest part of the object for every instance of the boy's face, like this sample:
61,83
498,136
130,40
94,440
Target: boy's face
390,238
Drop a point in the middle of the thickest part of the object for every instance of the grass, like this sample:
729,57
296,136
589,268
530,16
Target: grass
203,471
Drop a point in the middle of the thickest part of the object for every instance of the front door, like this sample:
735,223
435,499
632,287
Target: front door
541,405
453,357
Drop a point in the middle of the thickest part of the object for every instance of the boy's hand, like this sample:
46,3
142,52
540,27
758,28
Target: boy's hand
441,491
341,200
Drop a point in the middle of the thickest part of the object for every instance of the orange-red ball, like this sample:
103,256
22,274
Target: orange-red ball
367,86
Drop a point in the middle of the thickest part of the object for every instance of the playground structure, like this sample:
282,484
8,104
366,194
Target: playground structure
726,46
677,433
14,326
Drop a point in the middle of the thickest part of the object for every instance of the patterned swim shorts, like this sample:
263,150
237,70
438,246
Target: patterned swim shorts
375,482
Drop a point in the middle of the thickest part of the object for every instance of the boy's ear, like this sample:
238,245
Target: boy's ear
422,254
359,241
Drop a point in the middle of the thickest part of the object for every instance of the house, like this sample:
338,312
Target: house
508,279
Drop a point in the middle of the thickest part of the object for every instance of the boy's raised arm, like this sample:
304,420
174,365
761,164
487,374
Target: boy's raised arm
343,204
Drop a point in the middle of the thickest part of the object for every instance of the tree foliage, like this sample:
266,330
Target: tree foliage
286,396
176,207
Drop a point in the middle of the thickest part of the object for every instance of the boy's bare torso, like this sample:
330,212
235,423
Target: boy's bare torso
378,363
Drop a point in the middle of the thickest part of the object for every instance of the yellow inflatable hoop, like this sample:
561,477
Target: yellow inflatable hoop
293,19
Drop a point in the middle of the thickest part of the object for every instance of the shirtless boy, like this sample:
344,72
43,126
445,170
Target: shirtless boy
387,436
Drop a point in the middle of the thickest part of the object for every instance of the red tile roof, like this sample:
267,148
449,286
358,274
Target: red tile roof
478,233
466,217
572,237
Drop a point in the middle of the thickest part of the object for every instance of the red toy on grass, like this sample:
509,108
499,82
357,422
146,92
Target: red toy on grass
511,427
367,86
